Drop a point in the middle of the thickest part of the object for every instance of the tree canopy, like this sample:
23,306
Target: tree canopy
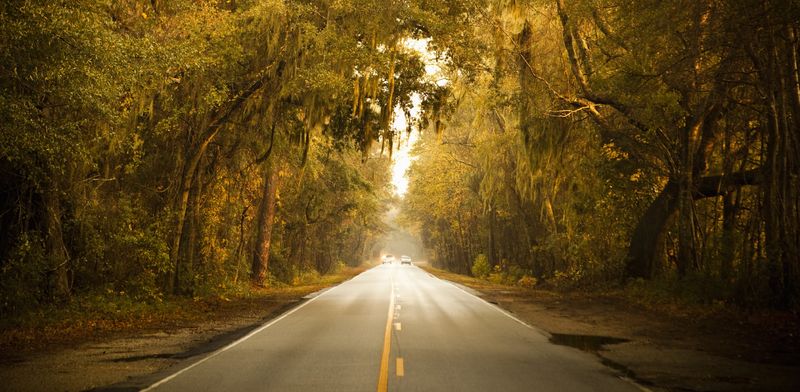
597,142
191,146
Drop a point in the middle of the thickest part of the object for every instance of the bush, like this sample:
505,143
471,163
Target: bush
695,288
337,267
24,276
305,276
511,274
527,282
481,267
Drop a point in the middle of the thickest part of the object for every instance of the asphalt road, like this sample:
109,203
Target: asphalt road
395,328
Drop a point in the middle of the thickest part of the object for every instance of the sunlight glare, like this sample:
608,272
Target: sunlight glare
401,158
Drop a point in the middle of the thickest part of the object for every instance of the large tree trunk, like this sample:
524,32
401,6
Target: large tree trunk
264,222
192,246
182,205
240,246
55,249
643,248
728,246
492,246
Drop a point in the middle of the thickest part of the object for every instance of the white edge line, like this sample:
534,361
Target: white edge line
249,335
545,333
496,307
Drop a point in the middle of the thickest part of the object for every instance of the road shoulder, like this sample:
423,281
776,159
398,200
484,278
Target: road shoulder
660,348
128,359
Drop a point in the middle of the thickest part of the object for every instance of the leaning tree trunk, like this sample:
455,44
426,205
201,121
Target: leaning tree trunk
264,222
182,205
219,118
643,248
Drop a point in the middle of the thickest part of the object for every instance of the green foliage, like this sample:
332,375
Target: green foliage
579,148
481,267
695,289
511,274
24,272
146,256
133,135
527,282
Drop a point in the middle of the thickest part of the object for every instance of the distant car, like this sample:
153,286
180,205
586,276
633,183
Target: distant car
405,260
388,259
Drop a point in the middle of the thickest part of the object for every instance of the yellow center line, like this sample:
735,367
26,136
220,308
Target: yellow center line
383,376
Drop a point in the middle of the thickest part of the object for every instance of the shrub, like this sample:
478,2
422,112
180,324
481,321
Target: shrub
527,282
481,267
24,275
305,276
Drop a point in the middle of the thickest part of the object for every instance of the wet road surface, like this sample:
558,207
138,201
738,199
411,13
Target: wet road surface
395,328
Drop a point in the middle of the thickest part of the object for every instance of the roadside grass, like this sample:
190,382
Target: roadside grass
469,281
653,295
658,297
92,316
485,285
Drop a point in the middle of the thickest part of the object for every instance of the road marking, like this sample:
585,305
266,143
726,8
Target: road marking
383,375
397,326
399,367
495,307
509,315
253,332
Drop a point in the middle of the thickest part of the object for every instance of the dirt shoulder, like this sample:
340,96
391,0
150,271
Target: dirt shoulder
127,356
662,347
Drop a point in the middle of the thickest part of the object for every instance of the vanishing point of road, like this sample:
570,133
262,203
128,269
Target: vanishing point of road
395,328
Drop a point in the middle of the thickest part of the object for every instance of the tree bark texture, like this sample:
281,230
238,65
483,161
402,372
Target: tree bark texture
56,250
265,219
782,161
195,153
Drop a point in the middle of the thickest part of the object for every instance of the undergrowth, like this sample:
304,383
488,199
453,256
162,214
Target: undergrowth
101,313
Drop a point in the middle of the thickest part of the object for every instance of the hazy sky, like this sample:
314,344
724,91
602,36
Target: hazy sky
401,158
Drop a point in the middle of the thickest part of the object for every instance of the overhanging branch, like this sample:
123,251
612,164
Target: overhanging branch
721,185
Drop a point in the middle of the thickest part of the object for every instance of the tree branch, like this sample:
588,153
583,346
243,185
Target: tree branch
721,185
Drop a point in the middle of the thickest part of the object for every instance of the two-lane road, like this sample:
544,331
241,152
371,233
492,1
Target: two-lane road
395,328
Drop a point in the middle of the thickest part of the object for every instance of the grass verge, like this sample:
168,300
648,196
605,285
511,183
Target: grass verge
93,316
